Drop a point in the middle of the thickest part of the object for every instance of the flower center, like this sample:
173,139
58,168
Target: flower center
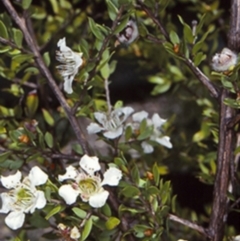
114,121
88,186
23,198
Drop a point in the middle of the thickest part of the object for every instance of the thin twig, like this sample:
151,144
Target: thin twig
107,93
203,78
198,73
45,71
189,224
13,45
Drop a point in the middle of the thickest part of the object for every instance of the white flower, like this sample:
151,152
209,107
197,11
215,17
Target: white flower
156,123
23,197
74,233
129,33
111,125
224,61
71,61
87,184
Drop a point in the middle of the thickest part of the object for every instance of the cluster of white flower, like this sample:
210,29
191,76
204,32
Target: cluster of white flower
87,184
112,125
23,197
66,232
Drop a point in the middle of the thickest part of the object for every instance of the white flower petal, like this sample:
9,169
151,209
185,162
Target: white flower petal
99,199
62,45
114,134
40,201
94,128
37,176
15,220
68,193
139,116
90,164
71,173
112,176
165,141
126,111
11,181
147,148
67,86
157,120
100,117
6,203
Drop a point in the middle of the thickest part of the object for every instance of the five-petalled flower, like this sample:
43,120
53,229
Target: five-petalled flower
71,61
156,123
23,197
87,184
112,124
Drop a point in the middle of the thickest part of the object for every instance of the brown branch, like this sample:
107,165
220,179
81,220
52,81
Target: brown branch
30,40
188,224
202,78
224,158
156,20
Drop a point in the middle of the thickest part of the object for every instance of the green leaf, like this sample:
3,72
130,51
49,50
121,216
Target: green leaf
54,211
128,133
3,30
135,174
94,29
4,156
77,148
156,174
55,6
112,223
49,139
174,37
130,191
200,56
46,58
32,102
79,212
47,117
121,25
18,37
112,10
26,4
87,229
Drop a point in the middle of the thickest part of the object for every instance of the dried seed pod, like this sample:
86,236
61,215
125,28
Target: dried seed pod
129,33
224,61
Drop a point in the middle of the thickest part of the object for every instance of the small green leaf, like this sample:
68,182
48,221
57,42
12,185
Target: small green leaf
112,223
94,29
156,174
112,10
4,156
121,25
174,37
54,211
135,174
130,191
47,117
32,102
49,139
87,229
26,4
79,212
18,37
3,30
46,58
